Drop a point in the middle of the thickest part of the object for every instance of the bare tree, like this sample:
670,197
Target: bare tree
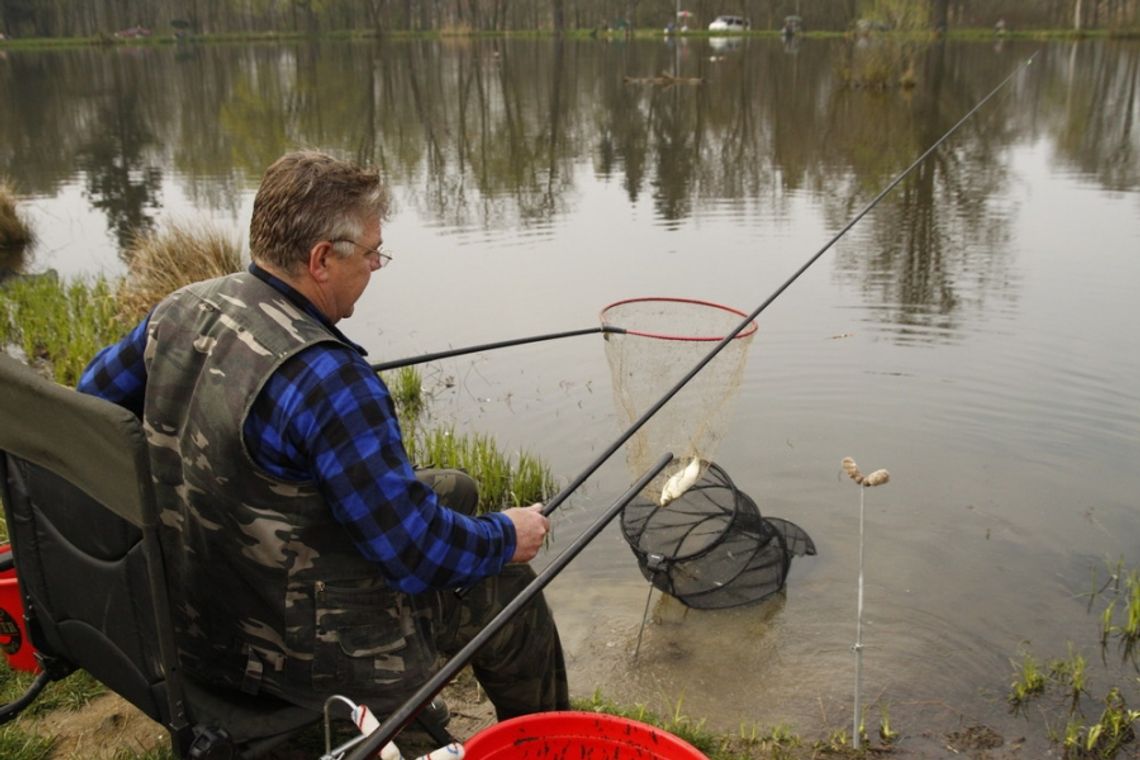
559,16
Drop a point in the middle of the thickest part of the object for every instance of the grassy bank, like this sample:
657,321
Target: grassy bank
57,325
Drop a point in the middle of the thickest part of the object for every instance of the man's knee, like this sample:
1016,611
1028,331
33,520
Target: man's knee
456,489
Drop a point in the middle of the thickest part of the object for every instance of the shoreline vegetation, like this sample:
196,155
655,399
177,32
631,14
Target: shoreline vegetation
159,39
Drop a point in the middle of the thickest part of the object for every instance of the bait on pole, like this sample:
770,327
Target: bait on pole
422,697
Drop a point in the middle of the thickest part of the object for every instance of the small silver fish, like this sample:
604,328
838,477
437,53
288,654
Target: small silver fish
680,481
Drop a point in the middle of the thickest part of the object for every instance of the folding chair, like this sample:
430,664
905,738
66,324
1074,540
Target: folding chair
76,485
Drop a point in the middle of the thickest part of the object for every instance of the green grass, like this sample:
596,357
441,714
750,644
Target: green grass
70,693
156,753
59,324
17,741
18,744
504,480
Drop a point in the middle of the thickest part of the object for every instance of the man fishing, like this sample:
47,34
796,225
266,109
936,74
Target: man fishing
307,556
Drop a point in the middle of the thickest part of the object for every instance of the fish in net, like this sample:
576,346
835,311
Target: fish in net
695,534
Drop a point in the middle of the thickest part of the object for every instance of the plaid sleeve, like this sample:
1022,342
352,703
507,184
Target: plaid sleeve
118,372
326,416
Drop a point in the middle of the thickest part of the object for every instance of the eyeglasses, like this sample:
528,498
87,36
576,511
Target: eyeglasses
380,256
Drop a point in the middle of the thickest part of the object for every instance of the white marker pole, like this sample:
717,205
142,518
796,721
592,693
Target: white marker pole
858,647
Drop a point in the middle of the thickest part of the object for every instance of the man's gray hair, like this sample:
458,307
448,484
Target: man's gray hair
306,197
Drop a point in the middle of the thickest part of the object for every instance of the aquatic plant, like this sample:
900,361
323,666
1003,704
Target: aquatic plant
407,389
179,253
1028,682
1119,624
15,230
1071,673
886,734
1108,735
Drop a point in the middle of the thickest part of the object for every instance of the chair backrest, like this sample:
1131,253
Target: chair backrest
76,485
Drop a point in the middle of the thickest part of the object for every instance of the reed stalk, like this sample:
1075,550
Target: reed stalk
176,255
15,230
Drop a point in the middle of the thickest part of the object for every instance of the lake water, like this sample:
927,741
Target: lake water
974,334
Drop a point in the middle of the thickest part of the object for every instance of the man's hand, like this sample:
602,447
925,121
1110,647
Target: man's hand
531,527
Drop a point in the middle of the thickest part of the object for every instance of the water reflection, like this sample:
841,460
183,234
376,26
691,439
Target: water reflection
119,178
487,133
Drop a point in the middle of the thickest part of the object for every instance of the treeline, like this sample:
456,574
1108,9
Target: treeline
89,18
493,135
484,133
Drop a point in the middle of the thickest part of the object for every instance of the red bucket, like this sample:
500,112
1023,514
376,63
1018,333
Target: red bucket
13,637
589,736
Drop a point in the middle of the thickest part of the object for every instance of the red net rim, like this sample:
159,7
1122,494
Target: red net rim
745,333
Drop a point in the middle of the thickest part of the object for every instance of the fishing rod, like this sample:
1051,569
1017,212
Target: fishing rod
422,697
404,715
422,358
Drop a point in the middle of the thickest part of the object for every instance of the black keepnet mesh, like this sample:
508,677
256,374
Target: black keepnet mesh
711,548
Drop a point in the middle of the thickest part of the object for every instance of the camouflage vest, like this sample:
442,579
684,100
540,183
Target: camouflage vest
268,591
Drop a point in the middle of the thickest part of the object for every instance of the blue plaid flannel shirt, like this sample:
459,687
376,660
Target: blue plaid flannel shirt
325,416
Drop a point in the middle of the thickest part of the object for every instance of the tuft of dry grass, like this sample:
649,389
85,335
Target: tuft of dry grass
171,257
15,230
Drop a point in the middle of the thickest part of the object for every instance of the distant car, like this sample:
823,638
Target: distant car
730,24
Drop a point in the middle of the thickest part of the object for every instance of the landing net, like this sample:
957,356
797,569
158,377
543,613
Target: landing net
661,340
696,535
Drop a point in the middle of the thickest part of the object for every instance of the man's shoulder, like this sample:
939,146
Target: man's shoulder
329,361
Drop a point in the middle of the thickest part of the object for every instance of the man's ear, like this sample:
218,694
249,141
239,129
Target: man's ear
319,256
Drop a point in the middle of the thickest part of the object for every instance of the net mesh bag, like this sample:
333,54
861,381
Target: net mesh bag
696,535
710,547
661,339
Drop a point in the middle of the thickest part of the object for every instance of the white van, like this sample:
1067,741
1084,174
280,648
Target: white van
730,24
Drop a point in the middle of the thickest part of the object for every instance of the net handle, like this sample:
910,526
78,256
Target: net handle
744,333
